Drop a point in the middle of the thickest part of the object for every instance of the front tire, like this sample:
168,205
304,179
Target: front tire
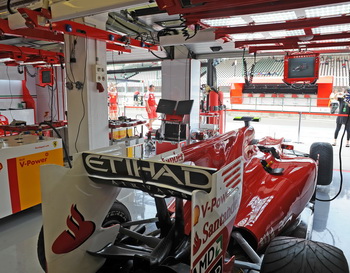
323,151
290,255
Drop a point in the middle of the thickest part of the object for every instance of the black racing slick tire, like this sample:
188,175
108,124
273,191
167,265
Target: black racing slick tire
323,151
290,255
118,214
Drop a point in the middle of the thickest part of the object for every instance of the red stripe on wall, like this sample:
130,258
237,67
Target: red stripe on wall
13,183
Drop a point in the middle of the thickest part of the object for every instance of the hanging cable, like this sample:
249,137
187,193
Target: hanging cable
184,29
340,166
82,99
29,74
245,68
9,7
251,75
63,142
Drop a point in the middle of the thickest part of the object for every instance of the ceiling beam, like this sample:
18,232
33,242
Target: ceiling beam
253,49
294,39
295,24
29,33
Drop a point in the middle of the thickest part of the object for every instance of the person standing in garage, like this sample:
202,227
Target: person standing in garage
151,106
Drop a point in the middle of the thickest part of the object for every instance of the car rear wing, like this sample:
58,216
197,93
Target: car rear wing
154,177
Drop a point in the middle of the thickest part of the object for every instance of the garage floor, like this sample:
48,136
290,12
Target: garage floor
18,233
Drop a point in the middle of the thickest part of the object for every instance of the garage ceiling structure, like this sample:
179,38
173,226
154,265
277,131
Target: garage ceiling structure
213,28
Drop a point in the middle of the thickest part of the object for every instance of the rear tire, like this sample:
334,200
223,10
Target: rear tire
325,164
118,214
290,255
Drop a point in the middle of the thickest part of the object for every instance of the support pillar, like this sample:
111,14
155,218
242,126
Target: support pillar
87,109
181,81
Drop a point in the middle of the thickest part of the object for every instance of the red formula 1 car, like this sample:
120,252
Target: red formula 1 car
230,200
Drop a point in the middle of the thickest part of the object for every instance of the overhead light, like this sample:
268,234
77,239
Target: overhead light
328,11
2,60
224,22
287,33
264,44
271,51
328,41
170,23
330,48
331,29
274,17
247,36
215,48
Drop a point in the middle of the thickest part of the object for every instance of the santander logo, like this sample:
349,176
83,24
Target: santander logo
78,232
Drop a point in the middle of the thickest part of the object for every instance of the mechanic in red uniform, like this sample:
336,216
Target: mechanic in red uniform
151,105
113,102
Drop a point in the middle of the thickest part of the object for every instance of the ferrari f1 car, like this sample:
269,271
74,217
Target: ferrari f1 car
227,204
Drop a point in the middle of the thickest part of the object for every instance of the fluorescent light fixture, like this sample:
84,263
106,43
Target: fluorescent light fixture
265,44
328,11
2,60
223,22
331,29
247,36
274,50
330,48
287,33
329,41
274,17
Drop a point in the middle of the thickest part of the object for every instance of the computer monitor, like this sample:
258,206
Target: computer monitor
166,106
301,67
184,107
45,77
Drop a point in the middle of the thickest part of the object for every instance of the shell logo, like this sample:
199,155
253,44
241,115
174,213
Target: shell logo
1,166
196,214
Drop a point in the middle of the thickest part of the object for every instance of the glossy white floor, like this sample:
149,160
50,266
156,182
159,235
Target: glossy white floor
18,233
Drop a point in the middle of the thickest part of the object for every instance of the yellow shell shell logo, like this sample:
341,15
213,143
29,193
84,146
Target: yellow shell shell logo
196,214
54,143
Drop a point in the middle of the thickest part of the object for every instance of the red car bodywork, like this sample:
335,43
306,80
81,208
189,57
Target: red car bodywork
269,202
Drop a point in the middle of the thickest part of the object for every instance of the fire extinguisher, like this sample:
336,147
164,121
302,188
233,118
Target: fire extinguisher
213,106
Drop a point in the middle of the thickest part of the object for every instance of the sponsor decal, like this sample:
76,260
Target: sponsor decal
42,147
154,177
77,233
26,163
209,257
211,227
217,267
177,158
54,144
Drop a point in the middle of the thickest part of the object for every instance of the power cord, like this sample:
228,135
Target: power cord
82,100
10,89
340,163
9,7
63,142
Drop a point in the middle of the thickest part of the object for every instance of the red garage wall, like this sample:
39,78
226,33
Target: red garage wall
325,87
236,93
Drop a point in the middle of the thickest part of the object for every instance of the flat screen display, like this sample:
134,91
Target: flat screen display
166,106
301,67
184,107
46,76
